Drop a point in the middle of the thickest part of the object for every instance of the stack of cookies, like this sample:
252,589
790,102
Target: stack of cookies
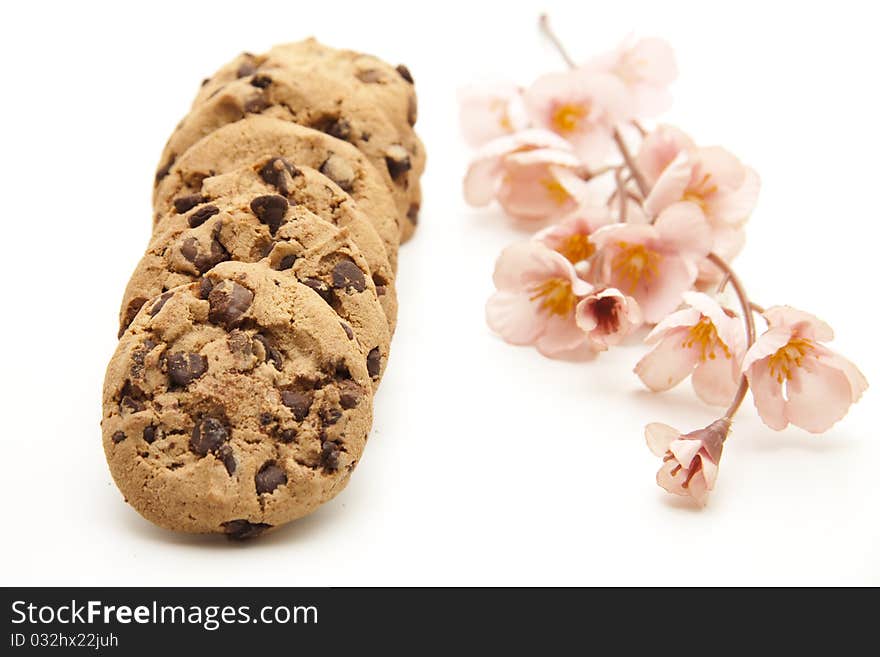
255,330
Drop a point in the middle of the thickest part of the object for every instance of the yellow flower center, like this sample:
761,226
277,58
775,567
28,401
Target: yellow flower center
577,248
555,191
700,192
705,336
568,117
555,295
789,357
499,107
634,263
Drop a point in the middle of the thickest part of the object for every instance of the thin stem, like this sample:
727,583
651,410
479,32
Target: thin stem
638,126
749,321
631,164
544,22
758,309
624,197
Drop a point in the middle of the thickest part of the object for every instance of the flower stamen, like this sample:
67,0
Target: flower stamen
568,117
635,262
557,193
788,358
705,335
577,248
556,296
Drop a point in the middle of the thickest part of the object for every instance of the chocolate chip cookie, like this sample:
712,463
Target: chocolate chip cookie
324,102
300,185
389,88
235,404
286,238
257,138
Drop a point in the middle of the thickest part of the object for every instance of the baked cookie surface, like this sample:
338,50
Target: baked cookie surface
235,404
389,88
258,139
319,100
284,237
300,185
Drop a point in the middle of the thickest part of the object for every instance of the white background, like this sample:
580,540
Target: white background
488,464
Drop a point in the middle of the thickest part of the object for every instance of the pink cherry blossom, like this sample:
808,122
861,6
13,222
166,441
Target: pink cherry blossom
537,292
571,236
522,172
607,316
659,149
715,180
795,379
702,341
654,263
690,461
646,67
581,106
491,110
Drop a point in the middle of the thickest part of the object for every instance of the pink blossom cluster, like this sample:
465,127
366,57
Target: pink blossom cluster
635,228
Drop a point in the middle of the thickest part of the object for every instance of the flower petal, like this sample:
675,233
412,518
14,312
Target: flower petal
659,437
514,317
818,396
715,380
667,364
684,226
767,395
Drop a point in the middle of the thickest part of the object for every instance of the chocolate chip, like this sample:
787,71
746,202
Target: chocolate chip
320,287
404,73
118,437
298,402
131,310
397,160
270,210
412,213
131,398
229,302
201,215
160,303
266,418
287,436
203,262
227,458
337,169
374,362
208,435
346,274
339,128
286,262
348,331
381,290
245,70
256,104
183,368
349,394
205,287
330,456
261,81
272,354
165,169
183,204
331,416
269,478
341,372
370,76
412,111
240,530
276,173
149,434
